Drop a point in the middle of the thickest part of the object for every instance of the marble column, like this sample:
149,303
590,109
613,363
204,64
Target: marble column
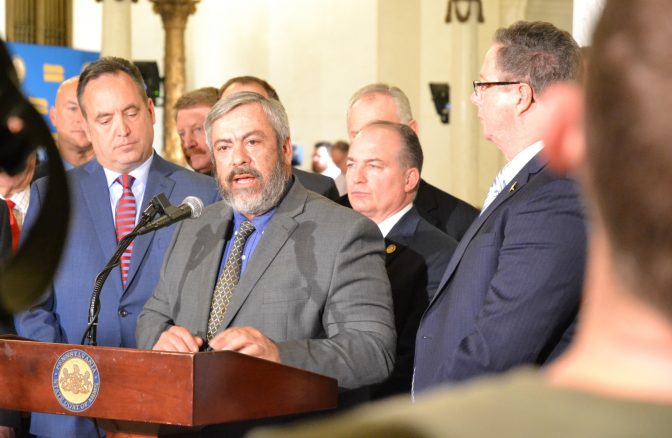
464,131
174,15
116,29
586,14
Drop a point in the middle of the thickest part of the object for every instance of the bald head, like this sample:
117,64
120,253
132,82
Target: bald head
378,102
66,117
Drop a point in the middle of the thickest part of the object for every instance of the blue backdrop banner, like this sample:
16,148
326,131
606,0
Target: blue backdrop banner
41,69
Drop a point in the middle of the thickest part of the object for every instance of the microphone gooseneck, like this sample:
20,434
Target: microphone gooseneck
191,206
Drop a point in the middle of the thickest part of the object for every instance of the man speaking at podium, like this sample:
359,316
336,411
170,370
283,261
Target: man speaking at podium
273,271
108,193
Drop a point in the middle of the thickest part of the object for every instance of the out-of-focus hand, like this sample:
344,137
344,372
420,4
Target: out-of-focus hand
6,432
178,339
246,340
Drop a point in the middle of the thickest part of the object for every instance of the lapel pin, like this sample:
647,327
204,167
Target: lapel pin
391,248
513,187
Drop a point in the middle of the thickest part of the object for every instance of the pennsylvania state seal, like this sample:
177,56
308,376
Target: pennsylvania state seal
75,380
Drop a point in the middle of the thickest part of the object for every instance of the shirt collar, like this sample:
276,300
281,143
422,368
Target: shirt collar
140,173
386,225
511,169
21,200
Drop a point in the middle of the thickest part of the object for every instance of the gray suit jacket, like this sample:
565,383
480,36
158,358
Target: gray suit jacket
316,285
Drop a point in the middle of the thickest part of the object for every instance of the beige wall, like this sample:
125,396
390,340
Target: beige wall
318,52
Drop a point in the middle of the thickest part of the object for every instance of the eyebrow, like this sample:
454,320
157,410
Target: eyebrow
131,106
243,137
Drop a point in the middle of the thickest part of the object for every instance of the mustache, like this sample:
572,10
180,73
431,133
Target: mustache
243,170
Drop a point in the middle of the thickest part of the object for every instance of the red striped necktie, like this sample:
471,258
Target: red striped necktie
13,225
125,222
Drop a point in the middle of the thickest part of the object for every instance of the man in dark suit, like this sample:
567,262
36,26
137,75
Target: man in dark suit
315,182
118,121
511,292
383,102
384,165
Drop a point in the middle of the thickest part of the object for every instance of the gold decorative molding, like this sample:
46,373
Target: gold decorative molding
174,15
464,17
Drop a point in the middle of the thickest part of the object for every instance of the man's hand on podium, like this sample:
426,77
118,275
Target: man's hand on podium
246,340
178,339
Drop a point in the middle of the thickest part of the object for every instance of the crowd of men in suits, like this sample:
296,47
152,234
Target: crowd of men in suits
408,289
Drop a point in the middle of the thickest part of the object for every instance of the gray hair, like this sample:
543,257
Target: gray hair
400,99
410,154
538,53
273,109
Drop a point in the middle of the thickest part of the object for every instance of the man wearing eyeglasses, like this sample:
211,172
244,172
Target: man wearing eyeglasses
510,294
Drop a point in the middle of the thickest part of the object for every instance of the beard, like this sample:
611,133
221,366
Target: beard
254,201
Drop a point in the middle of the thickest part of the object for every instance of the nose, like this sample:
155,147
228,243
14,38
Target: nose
189,141
123,128
474,99
239,155
355,174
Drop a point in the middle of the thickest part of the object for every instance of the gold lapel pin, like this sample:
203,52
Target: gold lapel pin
513,186
391,248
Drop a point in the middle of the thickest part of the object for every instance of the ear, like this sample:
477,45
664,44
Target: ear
564,138
413,124
52,115
150,107
525,97
85,126
412,179
287,151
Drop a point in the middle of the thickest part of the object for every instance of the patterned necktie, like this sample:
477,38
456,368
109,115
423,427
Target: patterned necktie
497,186
228,279
13,225
125,222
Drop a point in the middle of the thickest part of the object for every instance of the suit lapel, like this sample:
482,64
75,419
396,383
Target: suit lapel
534,166
400,235
281,226
96,195
207,273
157,182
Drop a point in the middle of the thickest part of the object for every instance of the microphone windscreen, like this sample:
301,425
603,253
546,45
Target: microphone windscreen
195,205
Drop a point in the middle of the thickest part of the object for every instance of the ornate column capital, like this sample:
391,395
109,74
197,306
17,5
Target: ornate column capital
174,13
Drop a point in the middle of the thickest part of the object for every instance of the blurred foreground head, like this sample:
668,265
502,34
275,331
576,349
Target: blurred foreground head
628,155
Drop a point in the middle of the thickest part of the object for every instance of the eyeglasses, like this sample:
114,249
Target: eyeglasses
480,87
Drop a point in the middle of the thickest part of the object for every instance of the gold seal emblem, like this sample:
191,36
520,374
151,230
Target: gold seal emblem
76,380
391,248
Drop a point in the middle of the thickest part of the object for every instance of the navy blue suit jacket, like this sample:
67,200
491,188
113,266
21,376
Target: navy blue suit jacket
417,254
91,241
511,292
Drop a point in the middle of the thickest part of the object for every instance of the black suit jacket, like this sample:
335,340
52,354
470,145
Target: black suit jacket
317,183
417,254
442,210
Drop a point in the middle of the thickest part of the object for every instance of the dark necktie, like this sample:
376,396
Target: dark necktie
228,279
125,222
13,225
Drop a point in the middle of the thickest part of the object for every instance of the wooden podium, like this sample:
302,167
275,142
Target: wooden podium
153,393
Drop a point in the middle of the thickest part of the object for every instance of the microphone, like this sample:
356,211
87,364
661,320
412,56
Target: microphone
191,207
